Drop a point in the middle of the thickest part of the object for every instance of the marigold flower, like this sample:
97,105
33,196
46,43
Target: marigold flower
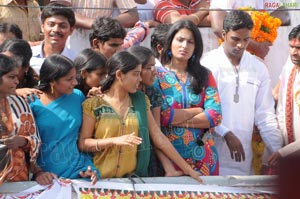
265,26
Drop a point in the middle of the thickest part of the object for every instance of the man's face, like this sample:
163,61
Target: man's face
56,31
110,47
295,51
235,42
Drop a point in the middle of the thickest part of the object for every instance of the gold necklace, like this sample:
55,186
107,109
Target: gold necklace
181,76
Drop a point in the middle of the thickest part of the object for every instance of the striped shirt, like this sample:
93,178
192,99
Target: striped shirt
164,8
24,126
99,8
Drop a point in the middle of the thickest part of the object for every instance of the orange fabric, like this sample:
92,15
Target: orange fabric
24,126
19,168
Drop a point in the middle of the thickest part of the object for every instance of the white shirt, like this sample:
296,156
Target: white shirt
236,4
146,10
38,57
278,53
255,106
284,77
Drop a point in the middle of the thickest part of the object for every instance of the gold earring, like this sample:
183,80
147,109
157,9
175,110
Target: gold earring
52,91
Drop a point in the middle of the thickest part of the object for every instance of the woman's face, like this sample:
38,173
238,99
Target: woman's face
183,45
22,70
9,82
149,72
5,36
93,78
66,84
131,80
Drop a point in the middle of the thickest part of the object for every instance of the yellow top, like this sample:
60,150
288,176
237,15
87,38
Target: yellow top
115,161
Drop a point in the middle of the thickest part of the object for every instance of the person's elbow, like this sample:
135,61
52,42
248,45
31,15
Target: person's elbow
159,141
217,31
129,18
216,20
214,118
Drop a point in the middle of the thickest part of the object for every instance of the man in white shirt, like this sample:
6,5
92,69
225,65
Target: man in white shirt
260,49
57,24
246,98
288,111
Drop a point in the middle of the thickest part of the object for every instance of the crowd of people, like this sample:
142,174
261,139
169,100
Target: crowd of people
80,98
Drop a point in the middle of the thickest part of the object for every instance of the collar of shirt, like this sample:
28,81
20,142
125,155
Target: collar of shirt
37,51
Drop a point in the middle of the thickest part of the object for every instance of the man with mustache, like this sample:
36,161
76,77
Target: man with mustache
57,24
246,98
288,111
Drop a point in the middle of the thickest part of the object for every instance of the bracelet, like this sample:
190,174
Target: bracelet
197,18
97,149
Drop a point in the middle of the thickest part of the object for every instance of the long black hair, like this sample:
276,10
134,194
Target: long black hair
7,64
198,73
88,60
53,68
142,53
123,61
21,51
11,28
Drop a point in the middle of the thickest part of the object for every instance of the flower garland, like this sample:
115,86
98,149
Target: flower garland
264,25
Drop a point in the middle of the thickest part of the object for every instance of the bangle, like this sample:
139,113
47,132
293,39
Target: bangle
186,123
97,149
197,18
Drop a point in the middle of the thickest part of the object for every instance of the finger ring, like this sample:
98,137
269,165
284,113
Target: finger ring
234,152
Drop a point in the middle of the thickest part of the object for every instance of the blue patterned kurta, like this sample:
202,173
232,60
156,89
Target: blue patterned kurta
176,95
